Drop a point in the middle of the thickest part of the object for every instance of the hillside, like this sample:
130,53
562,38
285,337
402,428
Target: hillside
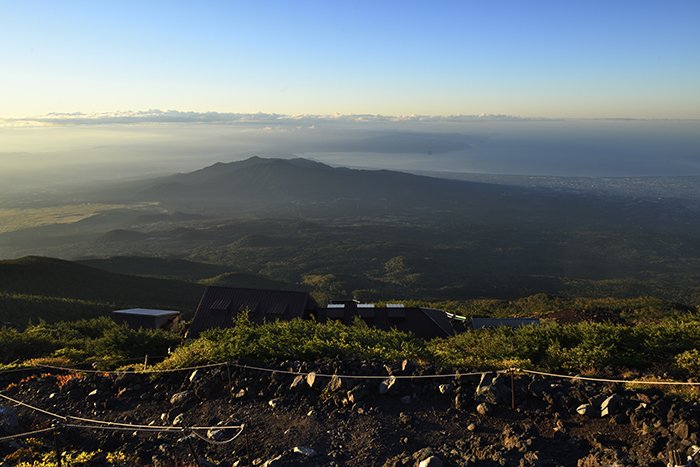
37,287
170,268
181,269
377,234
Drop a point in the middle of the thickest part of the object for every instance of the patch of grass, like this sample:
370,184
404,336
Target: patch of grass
12,219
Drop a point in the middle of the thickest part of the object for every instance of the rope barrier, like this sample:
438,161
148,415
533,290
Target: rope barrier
155,429
343,376
606,380
263,369
328,375
68,418
121,428
366,377
219,443
24,435
36,409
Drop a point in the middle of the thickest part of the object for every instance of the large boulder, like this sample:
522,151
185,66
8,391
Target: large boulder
181,398
612,405
493,389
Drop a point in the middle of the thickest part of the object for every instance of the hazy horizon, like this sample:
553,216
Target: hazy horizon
70,149
596,89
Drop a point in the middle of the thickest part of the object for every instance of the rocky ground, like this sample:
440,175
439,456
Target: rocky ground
329,421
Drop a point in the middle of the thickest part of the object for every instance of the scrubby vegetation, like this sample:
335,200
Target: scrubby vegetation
100,341
629,310
667,346
297,339
40,453
661,340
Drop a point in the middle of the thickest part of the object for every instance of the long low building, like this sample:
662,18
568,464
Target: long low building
220,305
422,322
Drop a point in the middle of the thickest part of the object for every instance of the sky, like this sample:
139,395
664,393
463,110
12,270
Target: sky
571,59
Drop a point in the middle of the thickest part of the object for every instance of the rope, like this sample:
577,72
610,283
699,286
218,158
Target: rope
148,427
24,435
382,377
343,376
67,418
36,409
155,429
263,369
603,380
219,443
328,375
123,428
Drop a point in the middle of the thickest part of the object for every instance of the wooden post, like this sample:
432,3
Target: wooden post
247,446
194,453
57,448
512,389
145,362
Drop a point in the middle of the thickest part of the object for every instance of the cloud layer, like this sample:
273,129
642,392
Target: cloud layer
176,116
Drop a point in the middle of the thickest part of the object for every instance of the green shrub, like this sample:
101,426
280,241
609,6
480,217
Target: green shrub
99,339
296,339
689,362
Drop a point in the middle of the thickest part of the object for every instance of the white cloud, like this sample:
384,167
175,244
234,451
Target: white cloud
176,116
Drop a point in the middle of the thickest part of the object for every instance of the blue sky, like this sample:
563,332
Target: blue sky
636,59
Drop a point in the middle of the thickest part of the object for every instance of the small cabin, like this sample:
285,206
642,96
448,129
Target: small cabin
147,318
219,307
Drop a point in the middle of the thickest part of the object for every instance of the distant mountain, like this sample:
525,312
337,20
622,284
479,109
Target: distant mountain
36,287
301,188
257,183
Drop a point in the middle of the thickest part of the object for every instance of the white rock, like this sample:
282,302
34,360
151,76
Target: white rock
432,461
585,409
304,451
387,384
311,379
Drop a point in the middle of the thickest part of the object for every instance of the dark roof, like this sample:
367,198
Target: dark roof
479,323
422,322
219,306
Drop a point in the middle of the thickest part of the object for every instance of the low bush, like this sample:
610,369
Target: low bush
296,339
94,340
667,345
